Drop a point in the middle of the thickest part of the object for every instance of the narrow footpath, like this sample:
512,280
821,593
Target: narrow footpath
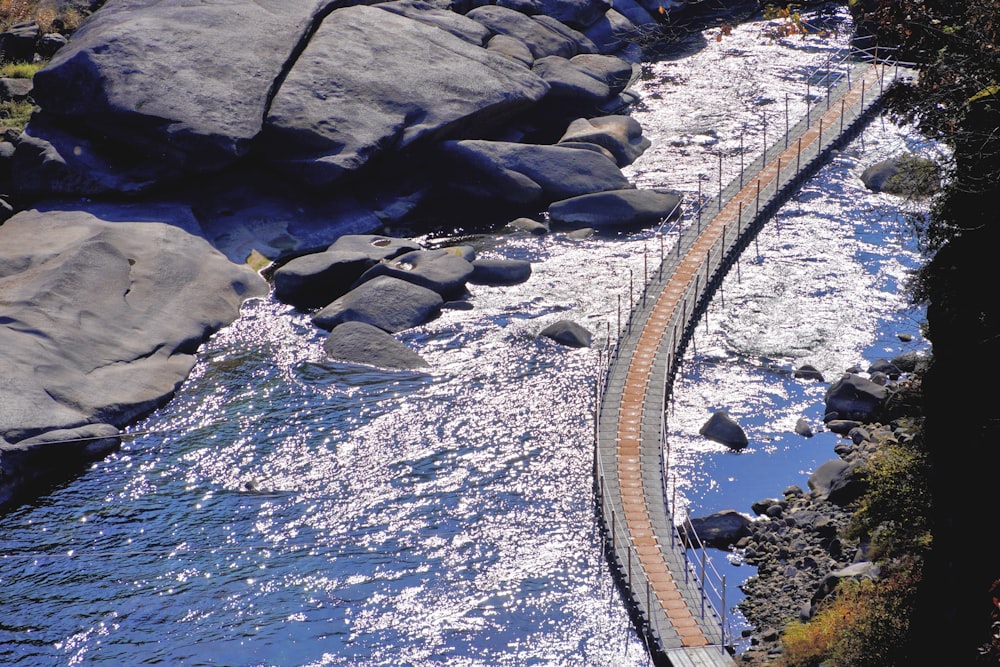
677,601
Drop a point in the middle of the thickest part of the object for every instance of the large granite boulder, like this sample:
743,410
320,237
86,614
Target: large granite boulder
529,174
100,319
361,343
180,88
388,303
403,81
374,246
458,25
615,209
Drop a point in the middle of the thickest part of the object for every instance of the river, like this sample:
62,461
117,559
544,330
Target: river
447,517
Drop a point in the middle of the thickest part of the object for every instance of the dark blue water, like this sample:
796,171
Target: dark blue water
447,517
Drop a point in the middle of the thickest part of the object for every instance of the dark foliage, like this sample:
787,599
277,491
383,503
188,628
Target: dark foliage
956,100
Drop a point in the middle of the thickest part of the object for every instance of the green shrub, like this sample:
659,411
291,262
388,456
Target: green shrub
895,511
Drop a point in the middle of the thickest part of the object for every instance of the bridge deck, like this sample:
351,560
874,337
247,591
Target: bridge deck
665,590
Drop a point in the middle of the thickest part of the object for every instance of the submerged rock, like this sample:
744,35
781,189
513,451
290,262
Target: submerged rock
569,333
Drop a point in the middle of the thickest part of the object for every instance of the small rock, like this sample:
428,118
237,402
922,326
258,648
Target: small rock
528,225
569,333
808,372
723,429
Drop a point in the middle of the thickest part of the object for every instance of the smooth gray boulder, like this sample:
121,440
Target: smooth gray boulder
371,81
568,333
854,397
615,209
49,43
101,318
316,279
528,174
458,25
589,80
723,429
17,90
577,14
17,43
361,343
442,271
908,362
313,281
388,303
635,13
612,32
183,87
500,271
511,47
374,246
885,366
720,530
620,135
541,38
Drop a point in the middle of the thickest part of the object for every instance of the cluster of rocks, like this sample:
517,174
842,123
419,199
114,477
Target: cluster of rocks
367,287
25,42
264,132
797,541
443,99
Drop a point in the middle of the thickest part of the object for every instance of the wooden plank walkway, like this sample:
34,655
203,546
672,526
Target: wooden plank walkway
665,591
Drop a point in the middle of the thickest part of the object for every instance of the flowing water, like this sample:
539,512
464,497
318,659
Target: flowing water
447,516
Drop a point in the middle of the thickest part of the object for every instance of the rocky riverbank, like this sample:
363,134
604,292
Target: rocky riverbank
797,542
